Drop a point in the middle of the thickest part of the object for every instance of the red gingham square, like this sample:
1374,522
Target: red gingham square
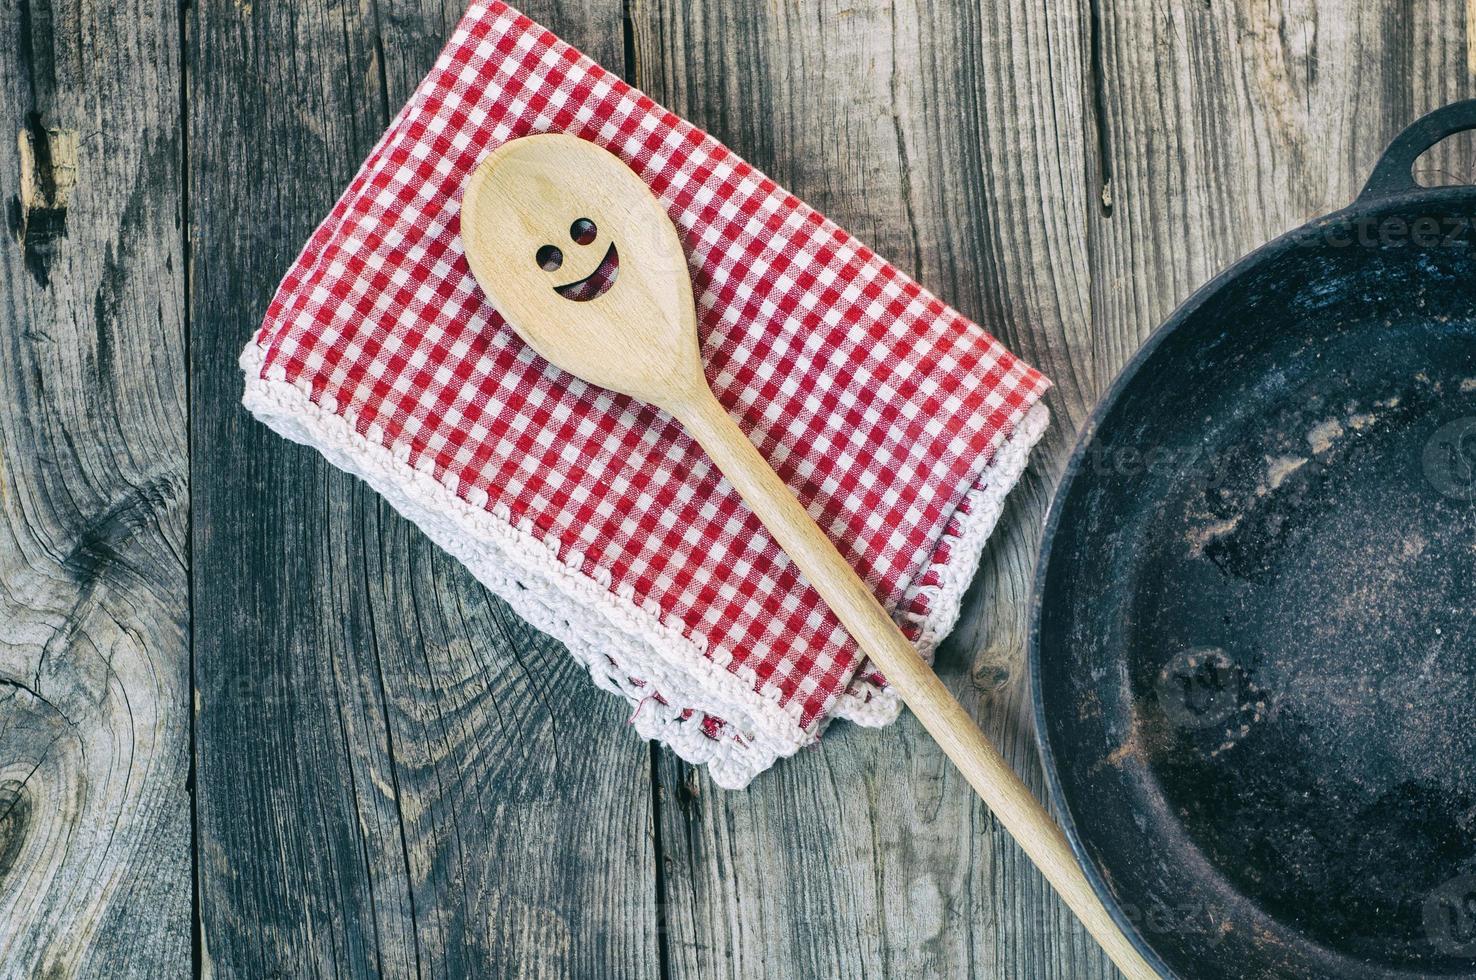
882,408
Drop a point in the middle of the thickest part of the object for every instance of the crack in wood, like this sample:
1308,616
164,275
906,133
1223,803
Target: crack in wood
1099,110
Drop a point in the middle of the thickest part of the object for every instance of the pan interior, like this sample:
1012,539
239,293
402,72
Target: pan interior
1256,651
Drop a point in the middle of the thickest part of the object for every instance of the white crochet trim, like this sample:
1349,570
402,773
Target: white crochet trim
615,636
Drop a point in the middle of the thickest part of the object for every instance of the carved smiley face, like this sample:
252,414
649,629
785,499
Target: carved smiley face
584,243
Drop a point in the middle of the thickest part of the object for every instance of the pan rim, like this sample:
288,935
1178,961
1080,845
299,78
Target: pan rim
1086,440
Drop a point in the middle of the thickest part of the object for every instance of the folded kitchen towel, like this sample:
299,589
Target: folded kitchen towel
900,424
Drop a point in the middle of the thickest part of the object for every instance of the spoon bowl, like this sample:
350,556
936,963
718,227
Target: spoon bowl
545,214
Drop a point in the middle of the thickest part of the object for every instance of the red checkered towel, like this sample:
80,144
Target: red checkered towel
900,424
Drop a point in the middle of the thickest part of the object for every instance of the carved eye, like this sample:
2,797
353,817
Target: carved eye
583,231
549,258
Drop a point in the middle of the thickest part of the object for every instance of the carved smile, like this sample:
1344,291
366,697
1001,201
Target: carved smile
597,283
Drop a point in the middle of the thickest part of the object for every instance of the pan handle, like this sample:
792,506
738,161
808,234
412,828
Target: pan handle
1394,173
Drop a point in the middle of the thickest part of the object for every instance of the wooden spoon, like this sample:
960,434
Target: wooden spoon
581,259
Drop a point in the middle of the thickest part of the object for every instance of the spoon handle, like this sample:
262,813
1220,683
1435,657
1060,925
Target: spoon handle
880,639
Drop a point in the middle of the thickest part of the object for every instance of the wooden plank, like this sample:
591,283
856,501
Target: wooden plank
94,495
949,136
395,775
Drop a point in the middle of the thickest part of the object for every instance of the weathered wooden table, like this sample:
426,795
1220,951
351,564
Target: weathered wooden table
252,724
